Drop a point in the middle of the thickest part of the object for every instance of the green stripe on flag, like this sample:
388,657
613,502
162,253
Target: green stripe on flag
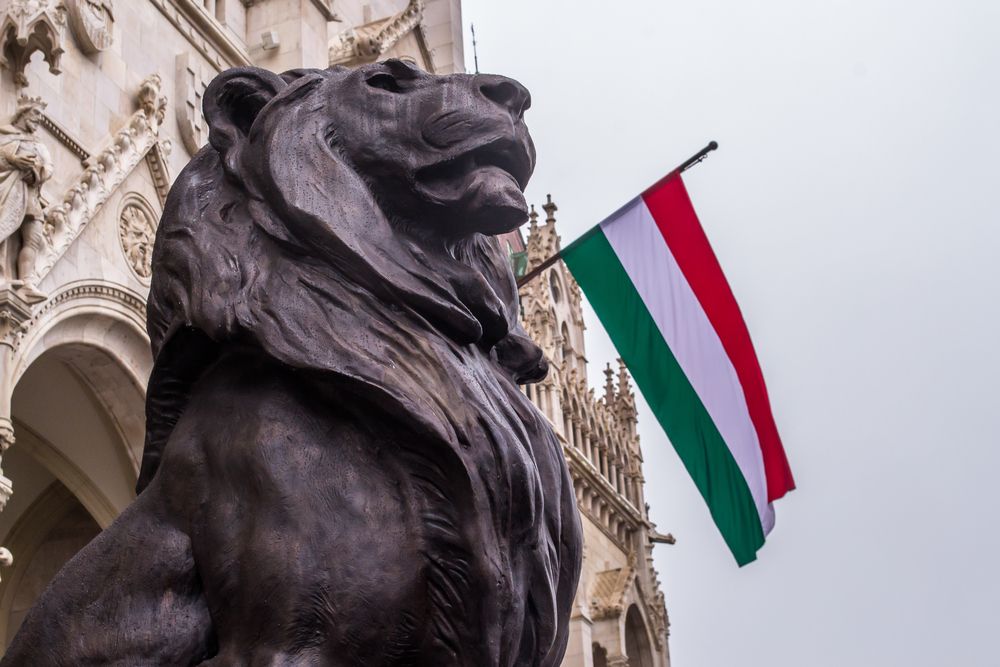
668,392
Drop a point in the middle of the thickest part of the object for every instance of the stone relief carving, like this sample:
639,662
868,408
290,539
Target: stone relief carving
25,164
105,172
92,22
191,80
137,230
366,43
28,26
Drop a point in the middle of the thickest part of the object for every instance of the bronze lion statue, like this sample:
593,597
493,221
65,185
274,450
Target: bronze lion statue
340,468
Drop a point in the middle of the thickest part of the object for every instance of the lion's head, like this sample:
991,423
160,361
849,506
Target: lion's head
339,222
338,217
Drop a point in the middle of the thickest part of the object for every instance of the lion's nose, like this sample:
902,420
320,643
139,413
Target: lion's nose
505,92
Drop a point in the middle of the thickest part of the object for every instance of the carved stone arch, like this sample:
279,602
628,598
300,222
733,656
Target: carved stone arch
96,330
76,313
638,642
137,221
556,288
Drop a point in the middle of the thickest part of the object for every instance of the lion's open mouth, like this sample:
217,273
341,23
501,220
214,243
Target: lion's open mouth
505,155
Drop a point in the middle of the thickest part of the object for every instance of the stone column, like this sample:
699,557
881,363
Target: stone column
579,650
14,314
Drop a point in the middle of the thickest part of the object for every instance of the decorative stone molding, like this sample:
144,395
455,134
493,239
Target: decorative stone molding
156,158
203,33
325,8
133,303
15,314
136,231
190,81
659,620
105,172
366,43
610,589
93,23
28,26
60,133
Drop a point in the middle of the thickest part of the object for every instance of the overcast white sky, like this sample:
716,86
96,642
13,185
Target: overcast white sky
854,205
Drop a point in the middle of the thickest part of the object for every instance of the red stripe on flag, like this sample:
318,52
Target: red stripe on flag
671,207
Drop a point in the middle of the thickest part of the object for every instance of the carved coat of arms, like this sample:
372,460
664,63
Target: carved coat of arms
93,23
191,80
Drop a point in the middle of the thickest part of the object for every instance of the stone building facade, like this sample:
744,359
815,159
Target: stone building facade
619,617
100,108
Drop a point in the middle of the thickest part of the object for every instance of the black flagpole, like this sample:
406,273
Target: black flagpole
684,166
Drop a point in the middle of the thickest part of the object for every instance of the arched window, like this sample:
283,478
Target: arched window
637,640
567,348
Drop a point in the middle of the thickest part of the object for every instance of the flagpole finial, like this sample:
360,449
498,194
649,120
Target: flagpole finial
550,208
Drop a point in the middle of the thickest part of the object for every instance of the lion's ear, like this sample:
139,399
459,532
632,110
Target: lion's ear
232,102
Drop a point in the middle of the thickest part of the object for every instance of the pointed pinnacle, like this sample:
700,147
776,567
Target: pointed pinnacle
550,209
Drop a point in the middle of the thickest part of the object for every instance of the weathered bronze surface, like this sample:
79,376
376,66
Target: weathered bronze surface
339,466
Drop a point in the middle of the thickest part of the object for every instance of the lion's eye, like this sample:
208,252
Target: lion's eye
385,82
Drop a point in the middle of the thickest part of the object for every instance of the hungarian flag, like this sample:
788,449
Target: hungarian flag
658,289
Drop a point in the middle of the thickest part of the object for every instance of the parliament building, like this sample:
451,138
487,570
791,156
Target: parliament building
100,109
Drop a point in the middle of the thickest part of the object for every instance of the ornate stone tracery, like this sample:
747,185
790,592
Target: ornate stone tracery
28,26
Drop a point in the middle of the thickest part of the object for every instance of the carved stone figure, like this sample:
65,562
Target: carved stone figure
340,468
25,164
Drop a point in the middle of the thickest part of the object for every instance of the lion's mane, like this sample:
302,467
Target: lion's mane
300,261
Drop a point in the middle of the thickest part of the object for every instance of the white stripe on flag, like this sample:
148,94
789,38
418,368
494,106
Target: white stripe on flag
639,245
